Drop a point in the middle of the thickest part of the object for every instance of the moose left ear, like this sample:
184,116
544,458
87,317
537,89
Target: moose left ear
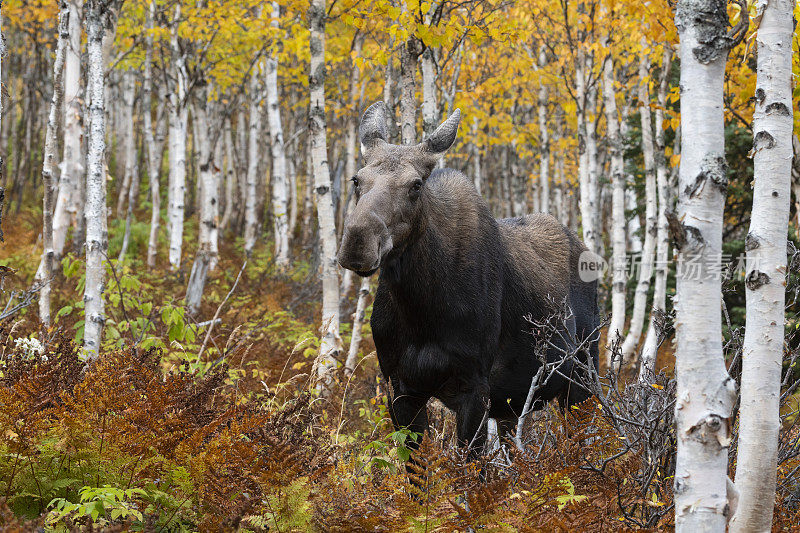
444,136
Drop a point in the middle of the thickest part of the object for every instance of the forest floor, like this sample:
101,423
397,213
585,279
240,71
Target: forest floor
162,433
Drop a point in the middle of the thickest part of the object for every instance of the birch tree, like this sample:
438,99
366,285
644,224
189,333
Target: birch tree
98,12
279,186
705,393
46,267
617,171
73,163
178,123
648,251
759,409
647,365
544,138
251,191
358,323
208,182
130,188
330,344
153,143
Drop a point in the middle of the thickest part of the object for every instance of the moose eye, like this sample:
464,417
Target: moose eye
416,187
355,181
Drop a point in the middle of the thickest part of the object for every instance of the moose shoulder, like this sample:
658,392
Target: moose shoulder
456,285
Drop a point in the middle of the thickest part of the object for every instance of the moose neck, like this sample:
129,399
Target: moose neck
442,257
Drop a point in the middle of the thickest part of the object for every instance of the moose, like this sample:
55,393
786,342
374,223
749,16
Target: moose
457,288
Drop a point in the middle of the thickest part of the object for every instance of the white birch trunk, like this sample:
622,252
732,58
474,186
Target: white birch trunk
230,176
705,394
544,138
651,216
647,367
127,146
330,344
617,171
178,119
409,55
46,266
72,165
96,229
208,181
429,112
759,409
280,192
251,193
477,172
154,144
358,323
131,163
587,151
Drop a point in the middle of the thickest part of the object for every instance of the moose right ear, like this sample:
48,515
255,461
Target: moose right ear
373,127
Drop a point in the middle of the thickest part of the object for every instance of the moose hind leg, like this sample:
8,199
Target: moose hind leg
471,416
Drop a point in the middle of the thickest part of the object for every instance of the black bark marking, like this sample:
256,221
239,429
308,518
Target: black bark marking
713,169
756,280
683,235
751,242
762,140
779,108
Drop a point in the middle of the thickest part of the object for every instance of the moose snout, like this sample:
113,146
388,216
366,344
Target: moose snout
360,250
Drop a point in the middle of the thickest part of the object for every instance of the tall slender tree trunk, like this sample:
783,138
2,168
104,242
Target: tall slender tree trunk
330,345
358,323
544,137
127,146
72,167
651,215
230,176
96,222
409,56
617,170
131,161
178,124
46,267
477,171
208,178
759,409
251,193
280,189
587,152
154,143
706,393
647,366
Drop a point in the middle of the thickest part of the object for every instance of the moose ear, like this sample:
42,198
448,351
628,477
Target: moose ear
445,135
373,126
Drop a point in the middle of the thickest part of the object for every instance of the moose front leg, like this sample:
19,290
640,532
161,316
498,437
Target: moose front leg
471,416
409,411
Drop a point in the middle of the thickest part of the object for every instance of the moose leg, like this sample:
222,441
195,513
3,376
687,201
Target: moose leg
409,411
471,416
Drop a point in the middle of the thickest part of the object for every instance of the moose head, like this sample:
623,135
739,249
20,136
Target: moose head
390,191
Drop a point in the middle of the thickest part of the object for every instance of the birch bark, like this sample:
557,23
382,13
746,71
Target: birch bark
251,192
544,138
330,345
73,164
178,119
647,367
705,393
96,225
651,214
279,186
46,266
358,323
759,409
154,143
617,170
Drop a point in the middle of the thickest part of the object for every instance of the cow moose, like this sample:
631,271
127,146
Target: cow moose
456,285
